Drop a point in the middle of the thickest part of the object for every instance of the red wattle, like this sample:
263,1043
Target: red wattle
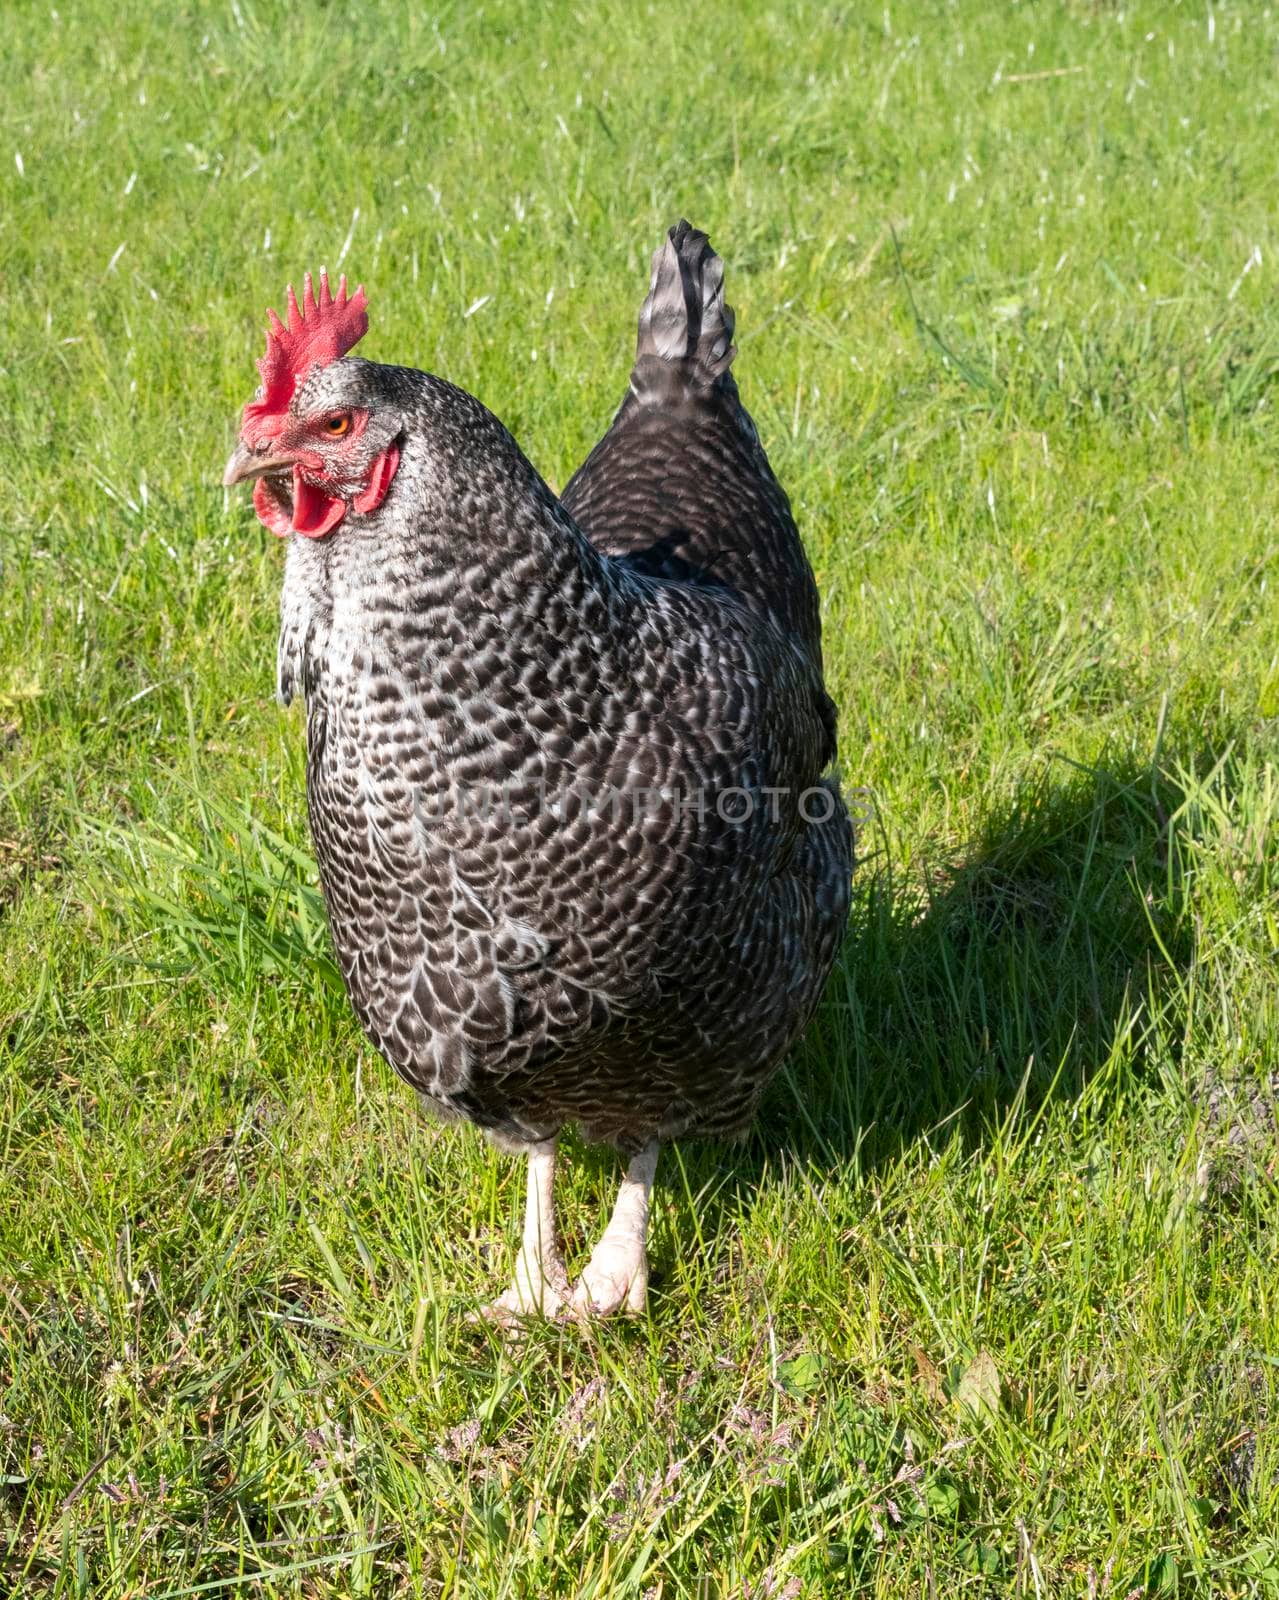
271,510
314,512
384,469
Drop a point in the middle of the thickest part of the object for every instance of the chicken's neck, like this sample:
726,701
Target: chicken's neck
471,553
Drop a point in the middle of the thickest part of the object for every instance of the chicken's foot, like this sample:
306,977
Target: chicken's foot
616,1277
540,1287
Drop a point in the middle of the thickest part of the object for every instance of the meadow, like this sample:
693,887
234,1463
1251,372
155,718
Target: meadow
989,1302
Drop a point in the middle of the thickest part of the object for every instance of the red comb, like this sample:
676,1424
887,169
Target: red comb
318,331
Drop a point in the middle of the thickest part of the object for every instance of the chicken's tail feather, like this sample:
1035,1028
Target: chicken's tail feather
684,323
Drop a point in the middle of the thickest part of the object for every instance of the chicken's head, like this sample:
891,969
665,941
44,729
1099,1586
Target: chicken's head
315,438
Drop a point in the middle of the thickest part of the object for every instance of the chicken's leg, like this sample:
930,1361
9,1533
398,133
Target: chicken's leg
616,1277
540,1287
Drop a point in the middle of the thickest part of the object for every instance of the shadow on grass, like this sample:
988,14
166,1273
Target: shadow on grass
1015,971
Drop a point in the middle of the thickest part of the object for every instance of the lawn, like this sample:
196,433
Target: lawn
989,1302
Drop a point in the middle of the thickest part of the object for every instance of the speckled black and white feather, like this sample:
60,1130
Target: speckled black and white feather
637,966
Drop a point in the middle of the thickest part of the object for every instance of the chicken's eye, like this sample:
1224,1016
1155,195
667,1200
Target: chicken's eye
338,424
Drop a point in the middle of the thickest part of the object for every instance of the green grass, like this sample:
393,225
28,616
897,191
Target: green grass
989,1304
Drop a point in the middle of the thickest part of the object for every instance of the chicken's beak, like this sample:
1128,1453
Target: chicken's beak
245,464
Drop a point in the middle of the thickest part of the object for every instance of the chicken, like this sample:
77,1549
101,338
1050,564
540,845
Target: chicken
565,757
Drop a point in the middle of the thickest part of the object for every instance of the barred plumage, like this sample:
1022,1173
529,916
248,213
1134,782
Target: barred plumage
524,715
